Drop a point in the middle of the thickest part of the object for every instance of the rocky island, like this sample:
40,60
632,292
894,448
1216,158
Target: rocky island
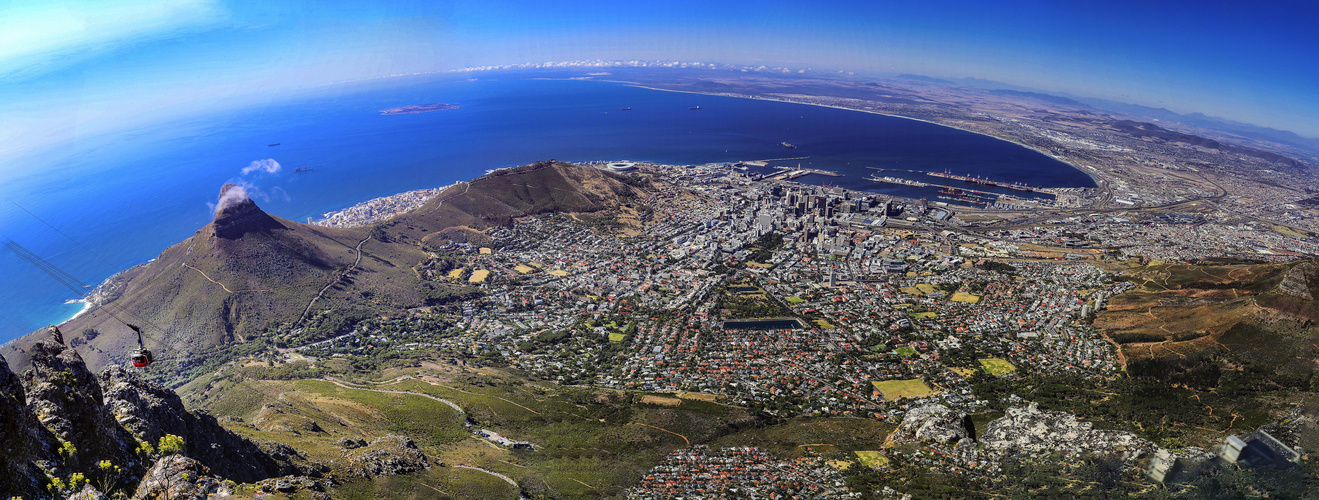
418,108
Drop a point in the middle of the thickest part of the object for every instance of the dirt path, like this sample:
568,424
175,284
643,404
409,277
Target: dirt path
506,479
208,278
489,396
684,438
346,385
336,280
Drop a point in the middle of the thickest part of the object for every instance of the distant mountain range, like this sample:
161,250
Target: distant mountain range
1201,120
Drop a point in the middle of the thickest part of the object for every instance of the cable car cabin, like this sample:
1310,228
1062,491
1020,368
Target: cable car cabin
141,358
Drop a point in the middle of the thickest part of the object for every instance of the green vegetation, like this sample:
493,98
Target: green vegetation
1167,415
1001,267
589,442
871,458
749,300
763,249
438,482
893,390
996,366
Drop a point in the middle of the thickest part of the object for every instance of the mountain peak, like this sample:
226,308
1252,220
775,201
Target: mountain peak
236,214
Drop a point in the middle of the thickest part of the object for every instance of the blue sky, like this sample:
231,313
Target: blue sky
70,68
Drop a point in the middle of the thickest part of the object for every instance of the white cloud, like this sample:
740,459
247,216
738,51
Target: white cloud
268,165
39,36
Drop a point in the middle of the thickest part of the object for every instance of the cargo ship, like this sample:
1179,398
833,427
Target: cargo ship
629,108
983,182
786,145
897,180
302,169
695,108
275,144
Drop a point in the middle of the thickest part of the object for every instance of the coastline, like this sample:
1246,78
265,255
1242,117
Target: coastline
1092,176
379,209
64,314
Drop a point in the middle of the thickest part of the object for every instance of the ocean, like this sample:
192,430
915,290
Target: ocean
107,203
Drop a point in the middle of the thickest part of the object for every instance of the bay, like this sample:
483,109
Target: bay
103,204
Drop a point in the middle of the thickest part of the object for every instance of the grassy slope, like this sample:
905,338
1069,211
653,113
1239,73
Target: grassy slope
591,443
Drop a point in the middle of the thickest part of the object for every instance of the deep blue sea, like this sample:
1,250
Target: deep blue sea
122,198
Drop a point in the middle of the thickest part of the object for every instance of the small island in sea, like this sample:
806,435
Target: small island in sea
418,108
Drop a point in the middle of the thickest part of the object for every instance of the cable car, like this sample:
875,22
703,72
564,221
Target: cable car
141,357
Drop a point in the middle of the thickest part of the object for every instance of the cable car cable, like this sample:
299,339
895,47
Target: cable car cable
140,357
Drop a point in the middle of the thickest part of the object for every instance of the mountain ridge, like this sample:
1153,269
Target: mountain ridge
247,272
61,419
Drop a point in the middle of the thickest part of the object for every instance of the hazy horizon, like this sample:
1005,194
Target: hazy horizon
73,68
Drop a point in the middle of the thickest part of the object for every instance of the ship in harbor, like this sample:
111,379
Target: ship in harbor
786,145
897,180
980,181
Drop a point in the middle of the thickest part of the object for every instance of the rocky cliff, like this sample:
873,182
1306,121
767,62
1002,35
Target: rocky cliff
1030,431
59,419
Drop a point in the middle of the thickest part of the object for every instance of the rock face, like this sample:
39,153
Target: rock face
930,423
1035,432
389,455
182,478
152,411
67,399
1296,281
62,418
25,441
236,214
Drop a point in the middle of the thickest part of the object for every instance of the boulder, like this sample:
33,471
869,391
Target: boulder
931,423
180,478
1031,431
387,456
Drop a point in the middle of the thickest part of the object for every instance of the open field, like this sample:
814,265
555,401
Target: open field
652,399
523,268
965,297
699,396
897,389
478,276
871,458
996,366
921,289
